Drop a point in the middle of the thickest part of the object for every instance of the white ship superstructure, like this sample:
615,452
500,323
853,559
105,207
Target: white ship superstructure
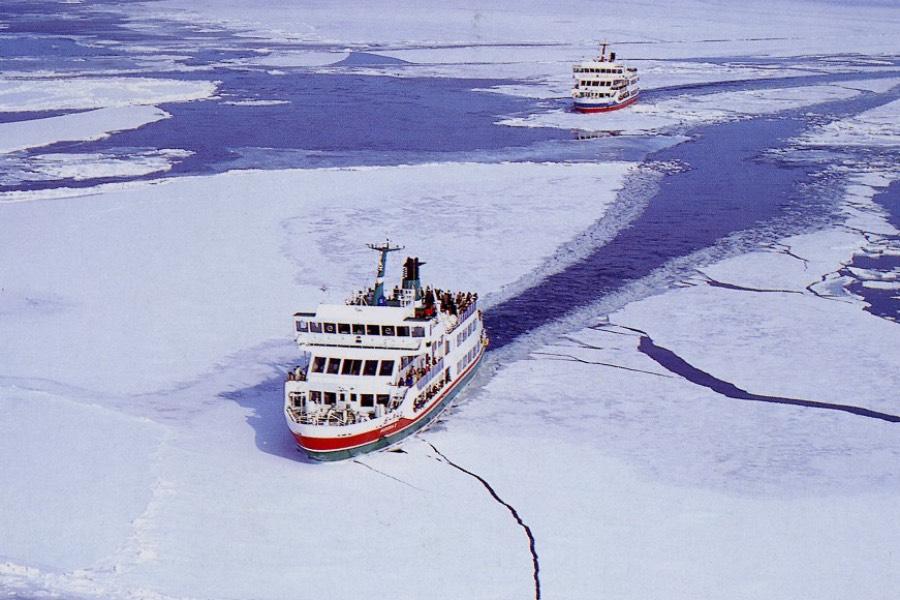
381,366
602,84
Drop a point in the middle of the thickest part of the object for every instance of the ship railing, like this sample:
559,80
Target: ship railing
470,310
330,416
425,397
436,368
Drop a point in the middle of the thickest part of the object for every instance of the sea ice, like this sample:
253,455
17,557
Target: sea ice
97,92
82,126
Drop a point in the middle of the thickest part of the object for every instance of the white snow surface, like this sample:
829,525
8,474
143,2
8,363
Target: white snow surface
144,329
670,483
83,126
696,28
96,92
79,167
182,262
876,127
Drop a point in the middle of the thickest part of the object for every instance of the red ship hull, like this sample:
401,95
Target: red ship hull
596,109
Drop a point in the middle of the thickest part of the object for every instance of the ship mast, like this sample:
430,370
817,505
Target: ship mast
603,46
378,296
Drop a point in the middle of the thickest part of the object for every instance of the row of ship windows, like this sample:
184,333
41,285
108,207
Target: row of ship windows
371,368
595,83
465,360
465,333
360,329
597,70
365,400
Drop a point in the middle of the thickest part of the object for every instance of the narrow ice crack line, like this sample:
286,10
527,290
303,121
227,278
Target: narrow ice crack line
398,480
787,250
569,357
604,328
536,566
811,289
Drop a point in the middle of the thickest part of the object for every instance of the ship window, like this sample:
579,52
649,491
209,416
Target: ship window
302,326
418,332
371,367
359,329
330,397
329,327
387,367
318,365
351,367
387,330
315,327
315,397
334,365
403,331
372,330
352,397
343,328
367,400
383,399
405,360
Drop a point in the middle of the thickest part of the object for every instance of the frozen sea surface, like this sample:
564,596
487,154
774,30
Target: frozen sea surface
692,390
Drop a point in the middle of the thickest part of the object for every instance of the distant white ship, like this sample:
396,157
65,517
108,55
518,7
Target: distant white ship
381,366
602,84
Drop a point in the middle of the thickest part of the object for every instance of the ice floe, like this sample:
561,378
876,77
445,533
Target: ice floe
182,261
876,127
82,126
80,167
82,93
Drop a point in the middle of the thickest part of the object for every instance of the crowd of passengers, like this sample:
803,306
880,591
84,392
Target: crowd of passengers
415,375
448,302
431,392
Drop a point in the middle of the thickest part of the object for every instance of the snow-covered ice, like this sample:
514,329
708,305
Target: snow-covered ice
82,126
18,95
79,167
876,127
182,261
726,430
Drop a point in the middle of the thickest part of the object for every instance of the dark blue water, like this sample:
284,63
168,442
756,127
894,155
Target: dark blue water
675,364
729,187
881,302
337,113
889,199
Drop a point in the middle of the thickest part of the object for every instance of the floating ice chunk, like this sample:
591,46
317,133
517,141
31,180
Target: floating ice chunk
876,127
256,102
92,166
80,93
91,125
882,285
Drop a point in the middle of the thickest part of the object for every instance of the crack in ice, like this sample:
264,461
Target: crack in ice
398,480
531,542
559,356
675,364
740,288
